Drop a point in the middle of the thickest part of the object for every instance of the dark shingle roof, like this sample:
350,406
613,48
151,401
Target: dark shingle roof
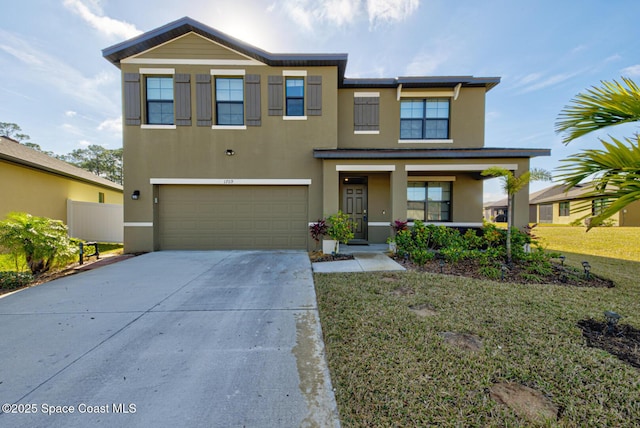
185,25
14,152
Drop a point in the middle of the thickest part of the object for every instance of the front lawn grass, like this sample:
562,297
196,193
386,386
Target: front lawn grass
390,367
613,242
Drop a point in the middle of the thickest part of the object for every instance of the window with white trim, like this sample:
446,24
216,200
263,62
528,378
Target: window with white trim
424,119
159,100
229,100
429,200
294,94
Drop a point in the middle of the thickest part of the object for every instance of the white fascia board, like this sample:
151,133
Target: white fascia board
432,178
158,71
372,168
294,73
460,167
366,95
427,94
192,61
234,181
227,72
138,224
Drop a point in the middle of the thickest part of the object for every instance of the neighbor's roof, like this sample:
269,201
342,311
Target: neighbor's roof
182,26
14,152
560,193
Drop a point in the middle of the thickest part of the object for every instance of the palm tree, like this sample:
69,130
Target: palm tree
512,185
615,169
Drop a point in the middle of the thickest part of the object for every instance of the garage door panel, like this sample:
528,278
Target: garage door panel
233,217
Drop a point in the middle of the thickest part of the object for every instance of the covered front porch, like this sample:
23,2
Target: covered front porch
437,186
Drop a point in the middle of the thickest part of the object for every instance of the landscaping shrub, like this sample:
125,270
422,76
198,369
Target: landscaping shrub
42,242
11,280
420,257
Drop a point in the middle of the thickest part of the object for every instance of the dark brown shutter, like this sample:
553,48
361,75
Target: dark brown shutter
275,96
131,97
366,113
203,99
182,102
252,97
314,99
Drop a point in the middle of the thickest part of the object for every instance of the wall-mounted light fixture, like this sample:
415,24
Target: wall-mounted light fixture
229,152
135,195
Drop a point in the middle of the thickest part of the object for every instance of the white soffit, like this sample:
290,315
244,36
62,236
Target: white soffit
235,181
459,167
354,168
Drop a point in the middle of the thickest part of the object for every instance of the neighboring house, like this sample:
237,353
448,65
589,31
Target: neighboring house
557,205
41,185
227,146
497,211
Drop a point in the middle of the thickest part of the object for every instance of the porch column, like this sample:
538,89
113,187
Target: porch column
330,188
399,194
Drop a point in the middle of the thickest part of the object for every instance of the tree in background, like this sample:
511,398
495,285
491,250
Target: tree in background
95,158
512,185
615,169
98,160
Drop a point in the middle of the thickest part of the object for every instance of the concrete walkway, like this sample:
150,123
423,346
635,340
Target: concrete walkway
169,339
366,259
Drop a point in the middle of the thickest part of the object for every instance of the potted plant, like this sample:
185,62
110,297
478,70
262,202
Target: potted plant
340,229
397,226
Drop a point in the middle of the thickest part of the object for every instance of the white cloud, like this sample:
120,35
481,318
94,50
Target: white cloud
431,58
550,81
105,25
54,74
390,10
111,125
308,13
631,71
70,113
71,129
84,143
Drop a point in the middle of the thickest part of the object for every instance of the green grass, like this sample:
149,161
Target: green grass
390,367
612,242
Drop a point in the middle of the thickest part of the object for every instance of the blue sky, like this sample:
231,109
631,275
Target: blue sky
55,84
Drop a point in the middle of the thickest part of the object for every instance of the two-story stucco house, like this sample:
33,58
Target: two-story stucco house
227,146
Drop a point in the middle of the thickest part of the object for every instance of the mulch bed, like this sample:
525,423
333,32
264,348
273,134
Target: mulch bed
623,341
471,268
319,256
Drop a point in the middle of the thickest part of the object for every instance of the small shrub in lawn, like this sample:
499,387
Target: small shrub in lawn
454,254
471,240
11,280
404,242
490,272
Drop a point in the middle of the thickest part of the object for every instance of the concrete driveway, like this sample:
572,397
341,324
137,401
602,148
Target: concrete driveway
169,339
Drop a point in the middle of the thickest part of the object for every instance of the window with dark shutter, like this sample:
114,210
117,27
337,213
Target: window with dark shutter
183,99
314,101
366,113
132,99
252,96
275,95
203,99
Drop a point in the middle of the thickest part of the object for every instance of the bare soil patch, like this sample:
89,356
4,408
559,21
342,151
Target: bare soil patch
467,342
526,402
423,310
623,341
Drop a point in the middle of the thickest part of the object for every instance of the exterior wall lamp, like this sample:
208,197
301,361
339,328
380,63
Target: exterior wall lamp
135,195
229,152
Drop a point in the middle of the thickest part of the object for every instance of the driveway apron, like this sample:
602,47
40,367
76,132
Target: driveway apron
169,339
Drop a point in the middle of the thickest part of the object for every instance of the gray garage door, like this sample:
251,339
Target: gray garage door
232,217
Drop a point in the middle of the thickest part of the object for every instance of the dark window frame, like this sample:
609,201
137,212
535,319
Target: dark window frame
162,102
219,103
564,209
599,205
294,98
426,202
424,120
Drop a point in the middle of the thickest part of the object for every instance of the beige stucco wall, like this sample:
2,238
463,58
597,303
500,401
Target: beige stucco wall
45,194
466,124
629,217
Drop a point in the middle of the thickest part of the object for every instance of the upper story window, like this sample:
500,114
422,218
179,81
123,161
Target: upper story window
159,92
229,101
294,96
424,119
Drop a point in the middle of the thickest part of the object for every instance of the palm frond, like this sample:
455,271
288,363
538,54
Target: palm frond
599,107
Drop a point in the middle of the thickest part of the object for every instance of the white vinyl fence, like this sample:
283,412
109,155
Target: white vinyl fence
95,222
